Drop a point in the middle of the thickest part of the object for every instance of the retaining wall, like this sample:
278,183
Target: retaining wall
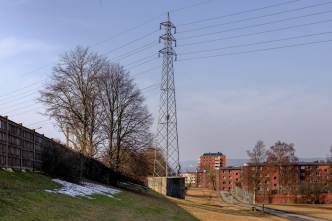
169,186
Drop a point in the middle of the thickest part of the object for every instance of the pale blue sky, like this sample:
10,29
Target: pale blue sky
225,103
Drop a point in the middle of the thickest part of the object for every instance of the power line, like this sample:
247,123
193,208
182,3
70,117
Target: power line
22,110
146,71
145,62
131,42
13,92
256,33
18,93
257,50
142,59
253,18
191,6
256,43
240,12
19,104
37,122
14,101
258,25
149,21
135,51
23,91
150,86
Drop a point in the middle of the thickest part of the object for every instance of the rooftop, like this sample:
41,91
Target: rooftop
213,154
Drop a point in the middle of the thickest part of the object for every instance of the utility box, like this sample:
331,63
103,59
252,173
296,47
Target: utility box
169,186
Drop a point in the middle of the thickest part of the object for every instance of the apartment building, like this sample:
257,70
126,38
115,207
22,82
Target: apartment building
210,161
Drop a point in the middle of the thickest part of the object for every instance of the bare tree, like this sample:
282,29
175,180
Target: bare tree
329,161
257,157
329,158
282,156
126,121
212,176
71,98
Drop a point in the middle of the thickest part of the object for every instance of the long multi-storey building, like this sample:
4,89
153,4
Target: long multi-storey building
287,178
276,183
226,178
21,147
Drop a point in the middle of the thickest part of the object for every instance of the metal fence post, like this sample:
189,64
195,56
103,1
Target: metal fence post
7,141
34,150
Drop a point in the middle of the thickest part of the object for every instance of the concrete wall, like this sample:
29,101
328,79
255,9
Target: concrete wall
171,186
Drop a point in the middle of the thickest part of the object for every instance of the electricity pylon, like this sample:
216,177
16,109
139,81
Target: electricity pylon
166,161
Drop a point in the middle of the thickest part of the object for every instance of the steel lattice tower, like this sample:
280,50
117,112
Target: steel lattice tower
167,147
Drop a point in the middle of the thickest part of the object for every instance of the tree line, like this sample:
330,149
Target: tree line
99,109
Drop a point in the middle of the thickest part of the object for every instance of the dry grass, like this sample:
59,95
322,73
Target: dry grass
206,205
323,211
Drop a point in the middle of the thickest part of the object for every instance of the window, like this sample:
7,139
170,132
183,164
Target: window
3,136
2,124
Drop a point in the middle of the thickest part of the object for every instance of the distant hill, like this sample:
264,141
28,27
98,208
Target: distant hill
191,165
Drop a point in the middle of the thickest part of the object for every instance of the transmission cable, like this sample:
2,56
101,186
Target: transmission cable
240,12
258,25
253,18
256,43
255,33
135,51
257,50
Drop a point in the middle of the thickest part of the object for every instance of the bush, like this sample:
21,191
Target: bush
59,162
66,164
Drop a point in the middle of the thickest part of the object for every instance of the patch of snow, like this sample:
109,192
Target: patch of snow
84,189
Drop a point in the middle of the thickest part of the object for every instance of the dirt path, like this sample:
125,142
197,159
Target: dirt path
296,215
206,205
319,211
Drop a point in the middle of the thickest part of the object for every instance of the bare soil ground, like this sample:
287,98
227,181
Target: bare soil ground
206,205
323,211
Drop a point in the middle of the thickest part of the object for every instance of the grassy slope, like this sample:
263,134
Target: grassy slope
22,197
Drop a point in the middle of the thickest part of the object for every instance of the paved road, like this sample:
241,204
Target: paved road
290,216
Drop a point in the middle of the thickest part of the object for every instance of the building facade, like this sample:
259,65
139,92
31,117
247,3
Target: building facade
288,178
21,147
190,178
210,161
295,182
214,173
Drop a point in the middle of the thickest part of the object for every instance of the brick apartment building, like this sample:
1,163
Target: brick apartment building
278,184
289,178
213,172
210,161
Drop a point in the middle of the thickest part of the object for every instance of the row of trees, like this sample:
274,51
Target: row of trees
99,108
279,159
